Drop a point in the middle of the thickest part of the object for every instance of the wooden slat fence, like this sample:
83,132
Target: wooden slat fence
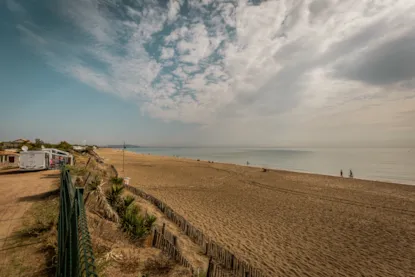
162,243
216,270
168,235
224,261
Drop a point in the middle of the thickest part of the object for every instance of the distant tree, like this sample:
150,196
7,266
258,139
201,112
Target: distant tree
48,145
38,142
65,146
31,146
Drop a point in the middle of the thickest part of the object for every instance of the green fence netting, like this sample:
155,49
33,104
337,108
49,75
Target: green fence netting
75,256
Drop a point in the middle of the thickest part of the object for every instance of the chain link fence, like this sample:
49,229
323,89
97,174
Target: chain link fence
75,256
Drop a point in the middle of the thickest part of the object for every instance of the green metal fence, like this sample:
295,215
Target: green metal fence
75,257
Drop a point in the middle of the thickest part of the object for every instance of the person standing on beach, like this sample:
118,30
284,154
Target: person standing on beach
341,172
350,174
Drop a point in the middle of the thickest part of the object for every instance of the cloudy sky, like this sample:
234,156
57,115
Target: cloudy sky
253,73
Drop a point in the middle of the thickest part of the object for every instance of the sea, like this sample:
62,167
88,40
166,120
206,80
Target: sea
395,165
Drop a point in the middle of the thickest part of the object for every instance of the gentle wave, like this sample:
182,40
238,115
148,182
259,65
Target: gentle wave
382,164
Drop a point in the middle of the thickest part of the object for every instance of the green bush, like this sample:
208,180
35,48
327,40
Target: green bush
134,224
128,200
65,146
117,180
131,221
113,196
149,221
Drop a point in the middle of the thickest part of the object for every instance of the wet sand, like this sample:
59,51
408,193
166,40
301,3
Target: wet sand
286,223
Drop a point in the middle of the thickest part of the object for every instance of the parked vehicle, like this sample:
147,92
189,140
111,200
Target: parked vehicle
47,158
34,160
58,157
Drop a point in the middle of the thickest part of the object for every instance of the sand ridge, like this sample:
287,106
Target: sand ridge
285,223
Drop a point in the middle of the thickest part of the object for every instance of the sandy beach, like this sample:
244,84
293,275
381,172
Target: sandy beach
285,223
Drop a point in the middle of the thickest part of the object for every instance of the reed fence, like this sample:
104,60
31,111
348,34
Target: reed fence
223,263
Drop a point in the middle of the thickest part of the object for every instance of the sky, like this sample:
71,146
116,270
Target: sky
221,73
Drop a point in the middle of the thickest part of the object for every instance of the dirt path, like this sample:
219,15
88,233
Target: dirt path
18,191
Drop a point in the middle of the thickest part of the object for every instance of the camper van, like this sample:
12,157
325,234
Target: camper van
34,160
47,158
58,157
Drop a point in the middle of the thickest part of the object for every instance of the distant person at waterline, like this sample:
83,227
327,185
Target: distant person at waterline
350,174
247,163
341,172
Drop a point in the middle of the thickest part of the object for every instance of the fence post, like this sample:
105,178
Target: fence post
208,272
154,238
88,162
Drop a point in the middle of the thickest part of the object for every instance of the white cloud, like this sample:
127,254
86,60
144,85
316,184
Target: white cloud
27,33
174,9
167,53
14,6
274,72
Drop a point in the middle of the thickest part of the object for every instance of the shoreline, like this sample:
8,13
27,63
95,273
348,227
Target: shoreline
268,168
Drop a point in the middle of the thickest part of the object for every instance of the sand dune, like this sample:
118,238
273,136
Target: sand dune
287,224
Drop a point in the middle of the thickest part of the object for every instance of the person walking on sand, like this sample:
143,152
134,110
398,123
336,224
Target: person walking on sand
341,172
350,174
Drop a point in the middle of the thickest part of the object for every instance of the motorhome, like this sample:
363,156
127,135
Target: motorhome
58,157
34,160
47,158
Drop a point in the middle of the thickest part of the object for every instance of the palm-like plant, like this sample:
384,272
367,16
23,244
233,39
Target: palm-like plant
134,224
114,195
95,188
131,220
149,221
128,200
117,181
92,187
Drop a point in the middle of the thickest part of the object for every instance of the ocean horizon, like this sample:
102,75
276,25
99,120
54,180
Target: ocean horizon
394,165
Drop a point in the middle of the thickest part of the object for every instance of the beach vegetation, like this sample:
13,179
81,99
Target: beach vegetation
131,221
128,200
65,146
134,224
114,196
93,187
117,180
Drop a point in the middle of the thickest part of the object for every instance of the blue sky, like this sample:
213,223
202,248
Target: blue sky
269,73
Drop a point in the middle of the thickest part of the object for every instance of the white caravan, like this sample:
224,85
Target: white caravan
58,157
47,158
34,160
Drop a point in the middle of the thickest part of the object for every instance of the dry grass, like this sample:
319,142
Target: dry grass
38,229
117,255
158,265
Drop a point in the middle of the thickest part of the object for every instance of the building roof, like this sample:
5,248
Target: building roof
3,153
21,140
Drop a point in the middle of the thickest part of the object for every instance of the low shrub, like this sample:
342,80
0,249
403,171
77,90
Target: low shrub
117,180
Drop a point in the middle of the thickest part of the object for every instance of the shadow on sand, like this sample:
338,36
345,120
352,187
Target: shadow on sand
51,176
16,171
41,196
